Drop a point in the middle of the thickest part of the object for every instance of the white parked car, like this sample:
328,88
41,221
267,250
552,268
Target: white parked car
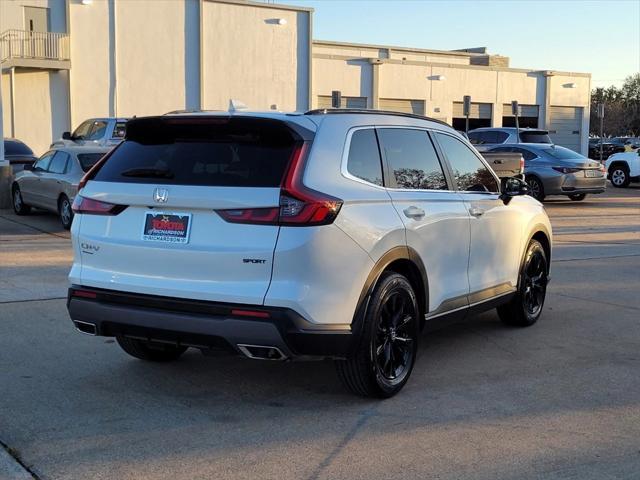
331,234
95,132
623,168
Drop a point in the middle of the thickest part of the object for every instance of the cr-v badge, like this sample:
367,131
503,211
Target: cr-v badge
161,195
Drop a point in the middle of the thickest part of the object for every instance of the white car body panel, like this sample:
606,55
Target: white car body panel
632,159
209,267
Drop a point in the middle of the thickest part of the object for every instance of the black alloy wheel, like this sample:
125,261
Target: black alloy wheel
385,354
536,188
525,308
394,342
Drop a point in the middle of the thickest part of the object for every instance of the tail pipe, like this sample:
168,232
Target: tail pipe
86,327
261,352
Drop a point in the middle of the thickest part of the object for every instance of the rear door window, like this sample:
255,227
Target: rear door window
223,152
526,154
412,159
364,156
59,163
470,173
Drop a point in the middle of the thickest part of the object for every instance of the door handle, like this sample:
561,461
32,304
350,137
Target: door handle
414,212
476,212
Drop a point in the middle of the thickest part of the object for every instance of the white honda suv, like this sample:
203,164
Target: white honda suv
331,234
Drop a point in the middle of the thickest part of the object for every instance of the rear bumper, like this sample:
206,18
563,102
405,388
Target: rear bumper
203,325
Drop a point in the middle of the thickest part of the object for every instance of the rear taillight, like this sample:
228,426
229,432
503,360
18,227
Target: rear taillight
83,293
94,207
299,205
566,169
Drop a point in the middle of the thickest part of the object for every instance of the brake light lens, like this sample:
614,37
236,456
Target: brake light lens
94,207
566,169
83,294
299,205
250,313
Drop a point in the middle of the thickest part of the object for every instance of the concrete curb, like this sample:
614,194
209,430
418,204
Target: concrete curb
11,469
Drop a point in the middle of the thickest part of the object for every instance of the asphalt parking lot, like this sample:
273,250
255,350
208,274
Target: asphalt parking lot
559,400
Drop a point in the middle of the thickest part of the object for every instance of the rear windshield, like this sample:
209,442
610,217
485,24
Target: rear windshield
12,147
221,152
562,153
88,160
535,137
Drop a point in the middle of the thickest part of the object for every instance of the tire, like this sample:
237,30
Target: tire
525,308
386,352
65,212
536,188
578,197
151,352
18,204
619,176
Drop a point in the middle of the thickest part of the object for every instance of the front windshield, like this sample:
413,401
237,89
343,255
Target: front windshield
562,153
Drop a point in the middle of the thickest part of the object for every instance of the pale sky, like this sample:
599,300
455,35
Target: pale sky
601,37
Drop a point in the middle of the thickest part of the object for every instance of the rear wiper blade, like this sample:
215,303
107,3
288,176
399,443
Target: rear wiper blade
147,172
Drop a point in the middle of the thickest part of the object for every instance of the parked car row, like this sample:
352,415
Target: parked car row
611,146
549,169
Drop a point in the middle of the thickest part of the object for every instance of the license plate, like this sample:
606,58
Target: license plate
592,173
167,227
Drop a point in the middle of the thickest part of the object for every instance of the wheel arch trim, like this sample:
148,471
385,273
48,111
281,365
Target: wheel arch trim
400,253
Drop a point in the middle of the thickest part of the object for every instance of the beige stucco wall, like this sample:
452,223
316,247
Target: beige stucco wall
353,79
90,70
150,57
249,57
563,95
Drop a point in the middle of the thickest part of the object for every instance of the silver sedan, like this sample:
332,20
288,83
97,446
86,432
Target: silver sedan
555,170
51,183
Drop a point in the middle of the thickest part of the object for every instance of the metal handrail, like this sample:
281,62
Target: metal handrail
34,45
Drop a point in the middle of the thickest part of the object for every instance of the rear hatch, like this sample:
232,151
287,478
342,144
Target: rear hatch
166,191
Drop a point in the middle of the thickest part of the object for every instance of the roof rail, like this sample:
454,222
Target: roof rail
326,111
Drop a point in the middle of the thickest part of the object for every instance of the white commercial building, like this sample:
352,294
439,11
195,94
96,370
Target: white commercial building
64,61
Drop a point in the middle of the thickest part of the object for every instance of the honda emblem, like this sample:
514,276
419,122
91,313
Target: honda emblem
160,195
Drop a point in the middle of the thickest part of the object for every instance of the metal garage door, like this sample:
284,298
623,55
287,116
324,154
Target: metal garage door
324,101
478,110
565,126
525,110
401,105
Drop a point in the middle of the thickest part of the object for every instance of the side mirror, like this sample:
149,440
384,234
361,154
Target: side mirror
29,167
512,187
66,136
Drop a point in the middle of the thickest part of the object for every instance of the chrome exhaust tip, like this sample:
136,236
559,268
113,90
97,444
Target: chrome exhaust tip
261,352
86,328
